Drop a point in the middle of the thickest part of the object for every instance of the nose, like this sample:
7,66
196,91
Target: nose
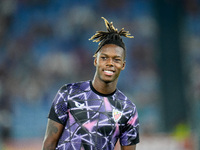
109,62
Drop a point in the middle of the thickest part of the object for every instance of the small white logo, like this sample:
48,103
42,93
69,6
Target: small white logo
116,115
79,105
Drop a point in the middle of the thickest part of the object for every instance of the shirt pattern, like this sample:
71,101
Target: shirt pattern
94,121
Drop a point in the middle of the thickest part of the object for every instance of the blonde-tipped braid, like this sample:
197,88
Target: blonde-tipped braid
111,36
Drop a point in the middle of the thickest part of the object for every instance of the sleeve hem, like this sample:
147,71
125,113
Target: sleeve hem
53,116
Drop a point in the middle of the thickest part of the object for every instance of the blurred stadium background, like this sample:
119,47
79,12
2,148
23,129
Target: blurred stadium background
44,44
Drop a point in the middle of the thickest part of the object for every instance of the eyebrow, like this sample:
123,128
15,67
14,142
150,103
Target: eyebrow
114,56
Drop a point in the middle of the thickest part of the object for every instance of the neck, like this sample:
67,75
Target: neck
104,87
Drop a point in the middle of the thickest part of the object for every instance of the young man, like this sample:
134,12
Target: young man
93,115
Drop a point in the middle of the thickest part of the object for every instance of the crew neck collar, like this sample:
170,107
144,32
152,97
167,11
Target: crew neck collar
98,93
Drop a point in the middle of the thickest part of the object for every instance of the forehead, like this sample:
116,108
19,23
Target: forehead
112,50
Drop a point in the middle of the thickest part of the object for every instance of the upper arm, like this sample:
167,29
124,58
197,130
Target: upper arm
52,135
130,147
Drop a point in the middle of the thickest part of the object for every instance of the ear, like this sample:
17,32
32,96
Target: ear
95,61
123,65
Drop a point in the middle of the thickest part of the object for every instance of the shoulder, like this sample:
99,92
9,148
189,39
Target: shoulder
121,96
75,87
70,90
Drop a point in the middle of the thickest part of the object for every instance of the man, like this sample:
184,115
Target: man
93,115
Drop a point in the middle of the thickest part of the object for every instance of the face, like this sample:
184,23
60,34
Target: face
109,62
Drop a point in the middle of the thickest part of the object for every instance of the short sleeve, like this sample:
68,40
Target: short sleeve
58,111
130,132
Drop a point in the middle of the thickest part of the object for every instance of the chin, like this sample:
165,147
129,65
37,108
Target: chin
108,80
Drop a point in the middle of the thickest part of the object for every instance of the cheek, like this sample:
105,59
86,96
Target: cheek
120,66
99,63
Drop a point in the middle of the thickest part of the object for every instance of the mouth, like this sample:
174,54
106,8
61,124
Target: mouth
108,72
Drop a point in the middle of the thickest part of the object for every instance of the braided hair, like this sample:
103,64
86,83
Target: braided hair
111,36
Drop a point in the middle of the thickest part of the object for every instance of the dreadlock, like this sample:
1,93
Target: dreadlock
111,36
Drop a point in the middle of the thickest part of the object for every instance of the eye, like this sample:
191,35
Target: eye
117,60
103,57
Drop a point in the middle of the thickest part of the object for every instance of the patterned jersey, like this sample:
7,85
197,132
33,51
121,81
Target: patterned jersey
94,121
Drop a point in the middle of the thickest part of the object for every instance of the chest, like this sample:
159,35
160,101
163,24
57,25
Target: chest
103,114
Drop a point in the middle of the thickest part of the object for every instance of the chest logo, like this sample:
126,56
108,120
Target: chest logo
116,114
79,105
